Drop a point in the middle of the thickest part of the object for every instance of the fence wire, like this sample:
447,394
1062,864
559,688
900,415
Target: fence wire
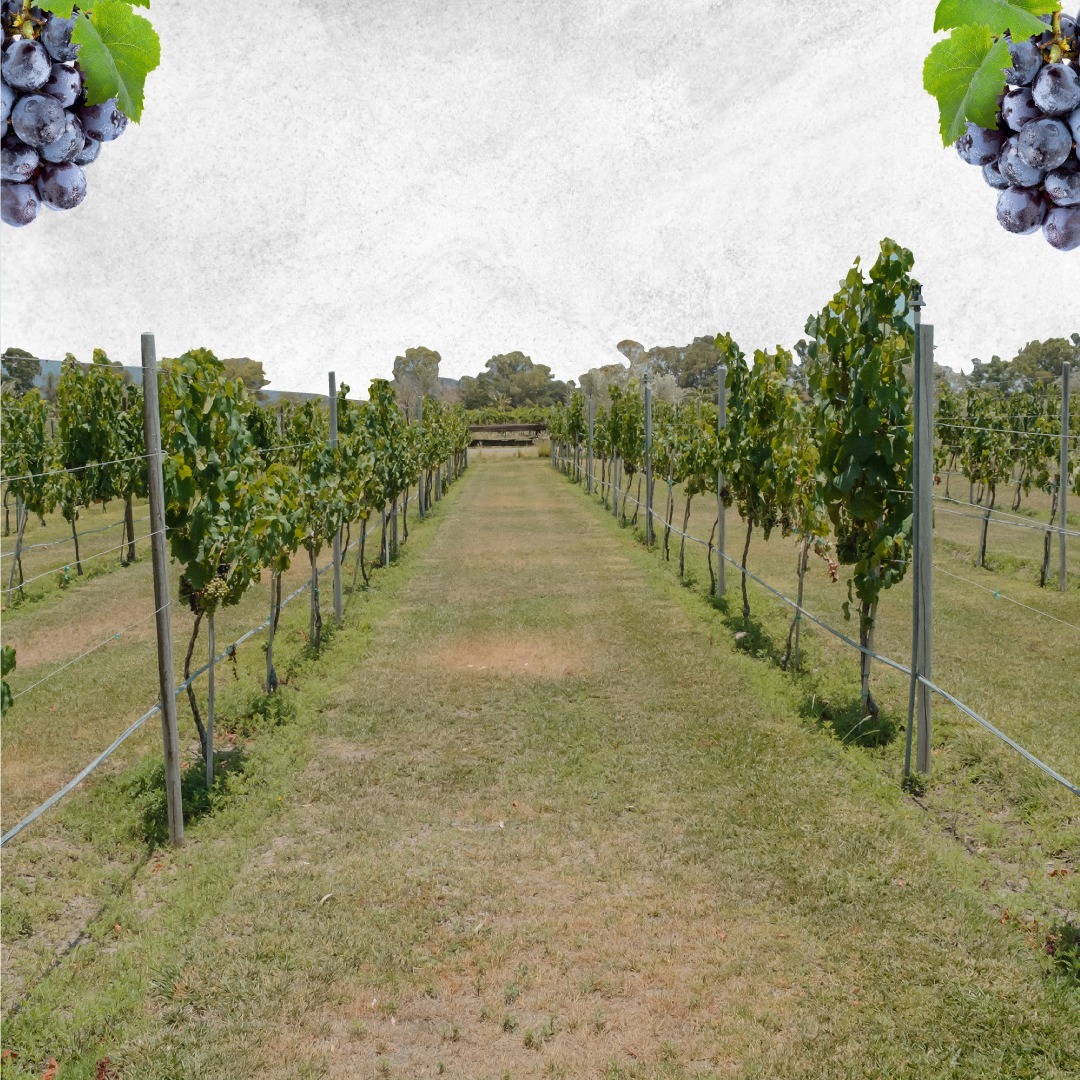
903,668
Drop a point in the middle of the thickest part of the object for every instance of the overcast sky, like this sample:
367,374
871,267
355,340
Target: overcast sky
479,177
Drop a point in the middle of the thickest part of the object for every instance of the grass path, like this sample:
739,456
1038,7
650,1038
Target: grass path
546,825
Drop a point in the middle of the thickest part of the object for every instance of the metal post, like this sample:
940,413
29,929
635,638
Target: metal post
420,484
1063,484
721,425
589,458
211,644
338,607
648,464
166,684
922,474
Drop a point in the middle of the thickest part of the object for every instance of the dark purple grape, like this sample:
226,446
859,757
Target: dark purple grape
979,145
103,122
64,84
17,160
1062,186
1026,61
992,175
61,187
19,204
67,146
9,100
1018,107
1020,210
1013,167
1062,227
1044,144
38,119
56,37
88,154
26,65
1073,121
1056,89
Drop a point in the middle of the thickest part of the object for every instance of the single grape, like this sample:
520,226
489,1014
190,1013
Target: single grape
1013,167
64,84
9,100
19,204
1062,227
1074,125
992,175
88,154
68,145
38,119
1044,144
1056,89
1020,210
1026,61
1018,108
56,37
979,145
103,122
61,187
26,65
1062,186
18,160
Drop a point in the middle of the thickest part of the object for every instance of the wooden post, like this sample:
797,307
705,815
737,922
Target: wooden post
922,563
721,425
648,465
338,603
166,684
589,452
1063,483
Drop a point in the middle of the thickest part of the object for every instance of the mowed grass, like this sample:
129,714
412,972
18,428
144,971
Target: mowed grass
541,816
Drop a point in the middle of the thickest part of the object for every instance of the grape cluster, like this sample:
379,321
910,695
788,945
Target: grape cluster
1033,156
50,134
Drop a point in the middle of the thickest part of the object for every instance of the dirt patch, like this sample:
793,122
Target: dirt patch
56,644
536,656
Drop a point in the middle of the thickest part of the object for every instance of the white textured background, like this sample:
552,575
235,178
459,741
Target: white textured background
481,176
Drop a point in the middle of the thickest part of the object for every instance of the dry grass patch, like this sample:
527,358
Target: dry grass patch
537,656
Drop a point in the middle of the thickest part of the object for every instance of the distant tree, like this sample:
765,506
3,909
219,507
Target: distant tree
20,369
1041,361
249,372
416,375
513,378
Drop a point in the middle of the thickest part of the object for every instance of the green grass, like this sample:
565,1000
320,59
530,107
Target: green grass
539,814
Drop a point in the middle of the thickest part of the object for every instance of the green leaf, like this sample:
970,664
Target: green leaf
1018,16
966,73
118,49
63,8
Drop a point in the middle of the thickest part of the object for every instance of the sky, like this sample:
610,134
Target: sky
475,176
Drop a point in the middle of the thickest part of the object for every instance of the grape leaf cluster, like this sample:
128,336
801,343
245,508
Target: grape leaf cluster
1031,154
72,77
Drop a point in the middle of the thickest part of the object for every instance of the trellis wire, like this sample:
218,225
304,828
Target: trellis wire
999,595
68,540
74,468
124,736
86,559
967,710
118,742
1011,524
89,652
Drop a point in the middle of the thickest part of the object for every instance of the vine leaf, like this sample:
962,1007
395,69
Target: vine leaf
117,50
966,73
1021,17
